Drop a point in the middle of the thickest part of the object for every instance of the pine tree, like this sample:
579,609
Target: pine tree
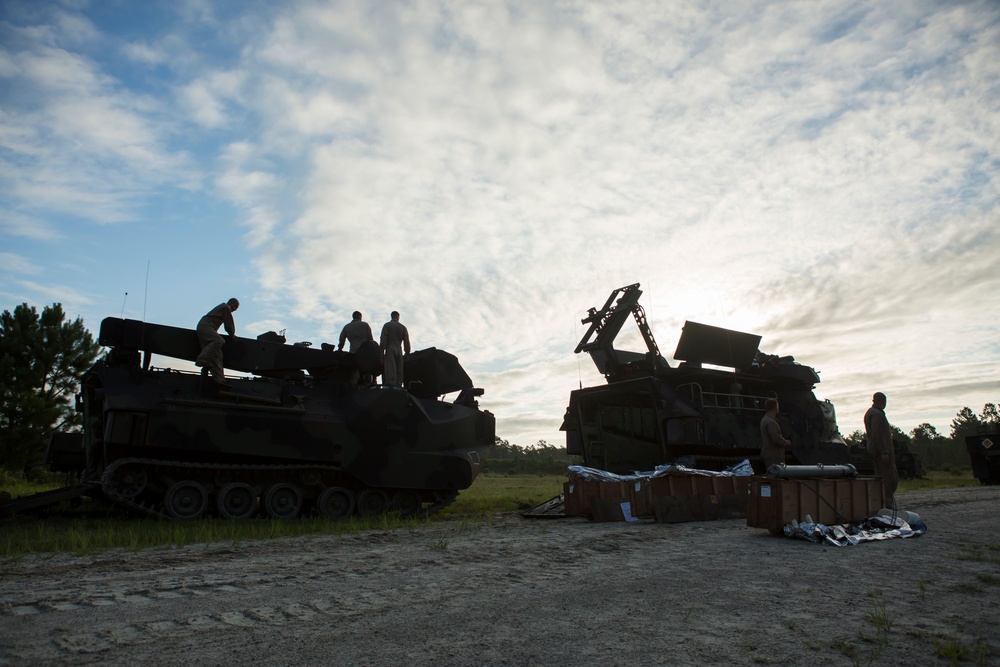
42,359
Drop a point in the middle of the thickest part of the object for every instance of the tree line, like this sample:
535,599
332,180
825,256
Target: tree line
541,459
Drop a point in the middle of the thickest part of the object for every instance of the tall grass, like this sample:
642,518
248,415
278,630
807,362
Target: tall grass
85,534
18,487
95,526
504,493
940,479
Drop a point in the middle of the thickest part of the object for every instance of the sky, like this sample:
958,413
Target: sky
823,174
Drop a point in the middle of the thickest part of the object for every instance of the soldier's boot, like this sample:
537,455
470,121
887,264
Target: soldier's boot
219,379
208,387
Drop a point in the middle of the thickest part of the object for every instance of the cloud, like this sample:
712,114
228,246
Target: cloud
14,263
78,142
209,100
15,224
145,53
71,297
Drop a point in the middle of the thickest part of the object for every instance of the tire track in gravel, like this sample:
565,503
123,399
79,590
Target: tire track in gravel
471,563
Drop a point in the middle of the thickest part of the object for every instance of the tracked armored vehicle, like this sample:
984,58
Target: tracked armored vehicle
302,431
908,464
984,452
704,412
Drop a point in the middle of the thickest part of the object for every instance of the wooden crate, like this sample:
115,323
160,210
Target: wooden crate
679,498
601,500
639,496
774,502
573,498
670,499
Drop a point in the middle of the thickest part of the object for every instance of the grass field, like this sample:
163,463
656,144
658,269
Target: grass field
503,493
95,527
937,479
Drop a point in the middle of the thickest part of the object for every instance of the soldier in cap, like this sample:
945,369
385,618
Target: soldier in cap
355,332
880,446
395,342
212,342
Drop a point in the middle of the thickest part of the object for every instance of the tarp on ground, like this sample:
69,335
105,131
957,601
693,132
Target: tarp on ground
879,527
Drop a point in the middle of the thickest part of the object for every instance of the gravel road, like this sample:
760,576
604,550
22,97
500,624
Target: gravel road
513,591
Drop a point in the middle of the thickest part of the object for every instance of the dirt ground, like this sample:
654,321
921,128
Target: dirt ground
514,591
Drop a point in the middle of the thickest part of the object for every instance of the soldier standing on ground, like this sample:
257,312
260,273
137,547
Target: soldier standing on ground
880,447
773,444
355,332
211,341
395,342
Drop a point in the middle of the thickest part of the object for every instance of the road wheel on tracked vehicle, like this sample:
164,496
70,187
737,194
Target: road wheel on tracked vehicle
372,502
407,502
336,502
236,500
185,500
129,480
282,501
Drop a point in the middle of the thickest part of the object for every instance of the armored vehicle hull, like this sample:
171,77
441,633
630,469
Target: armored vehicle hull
705,412
908,465
984,453
299,434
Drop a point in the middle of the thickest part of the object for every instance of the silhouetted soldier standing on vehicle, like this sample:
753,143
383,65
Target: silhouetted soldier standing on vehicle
355,332
395,342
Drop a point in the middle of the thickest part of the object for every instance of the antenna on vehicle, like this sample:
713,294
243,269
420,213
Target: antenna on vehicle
146,292
123,305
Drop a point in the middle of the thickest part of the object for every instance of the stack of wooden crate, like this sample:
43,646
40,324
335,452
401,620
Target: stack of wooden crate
670,498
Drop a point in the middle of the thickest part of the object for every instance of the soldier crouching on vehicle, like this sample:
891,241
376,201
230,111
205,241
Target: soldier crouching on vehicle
212,342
